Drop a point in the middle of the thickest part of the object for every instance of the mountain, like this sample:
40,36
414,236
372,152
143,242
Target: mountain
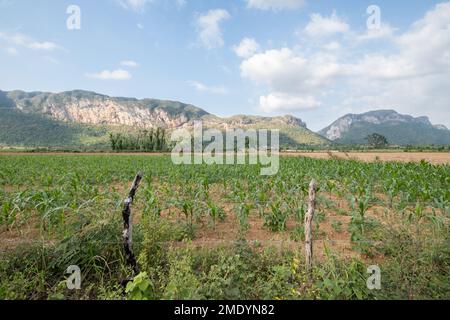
81,118
399,129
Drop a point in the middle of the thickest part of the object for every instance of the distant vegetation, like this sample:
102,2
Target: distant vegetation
26,121
157,113
377,140
399,129
34,130
398,134
145,140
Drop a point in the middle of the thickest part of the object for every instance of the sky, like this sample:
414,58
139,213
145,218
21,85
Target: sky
314,59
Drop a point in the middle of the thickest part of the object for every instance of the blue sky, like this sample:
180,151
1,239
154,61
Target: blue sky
315,59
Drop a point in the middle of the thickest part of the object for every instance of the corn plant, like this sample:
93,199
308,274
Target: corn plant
276,218
215,212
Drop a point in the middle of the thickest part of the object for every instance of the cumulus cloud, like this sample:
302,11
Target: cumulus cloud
320,26
424,50
129,63
208,89
286,102
385,31
275,5
275,68
22,40
334,45
208,26
409,73
427,44
118,74
416,74
246,48
290,78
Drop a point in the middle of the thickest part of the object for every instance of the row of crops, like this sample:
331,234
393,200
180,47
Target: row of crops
69,207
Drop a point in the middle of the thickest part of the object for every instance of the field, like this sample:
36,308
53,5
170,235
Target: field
223,232
431,157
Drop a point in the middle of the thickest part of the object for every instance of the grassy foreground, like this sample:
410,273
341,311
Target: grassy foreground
222,232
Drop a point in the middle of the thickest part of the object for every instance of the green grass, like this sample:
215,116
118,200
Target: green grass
73,205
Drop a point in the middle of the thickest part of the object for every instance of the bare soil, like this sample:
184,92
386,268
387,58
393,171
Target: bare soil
431,157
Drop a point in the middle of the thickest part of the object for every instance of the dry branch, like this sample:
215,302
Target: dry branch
308,224
127,224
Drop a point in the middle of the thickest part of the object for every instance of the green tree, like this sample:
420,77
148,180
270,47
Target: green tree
377,140
153,140
112,139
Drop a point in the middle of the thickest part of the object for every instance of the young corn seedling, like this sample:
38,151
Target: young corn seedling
276,218
215,212
243,212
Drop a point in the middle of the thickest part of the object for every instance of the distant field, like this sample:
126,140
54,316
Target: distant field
431,157
224,232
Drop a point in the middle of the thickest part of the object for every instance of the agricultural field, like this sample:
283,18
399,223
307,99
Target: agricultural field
431,157
222,232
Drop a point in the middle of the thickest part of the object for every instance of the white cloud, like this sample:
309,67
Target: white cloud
409,73
129,63
209,89
140,26
22,40
424,50
118,74
377,66
285,71
246,48
413,78
208,26
276,68
334,45
275,5
286,102
135,5
385,31
427,43
292,79
320,26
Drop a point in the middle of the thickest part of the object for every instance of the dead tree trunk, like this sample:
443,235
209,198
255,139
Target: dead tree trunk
308,224
127,224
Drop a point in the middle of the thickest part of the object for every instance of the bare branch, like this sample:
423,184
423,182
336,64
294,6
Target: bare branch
308,224
127,223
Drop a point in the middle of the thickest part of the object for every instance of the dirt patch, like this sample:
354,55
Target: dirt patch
225,233
332,221
431,157
27,234
14,188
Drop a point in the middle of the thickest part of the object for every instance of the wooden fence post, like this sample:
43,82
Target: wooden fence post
308,224
127,224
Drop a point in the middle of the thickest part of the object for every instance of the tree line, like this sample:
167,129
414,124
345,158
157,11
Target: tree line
144,140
